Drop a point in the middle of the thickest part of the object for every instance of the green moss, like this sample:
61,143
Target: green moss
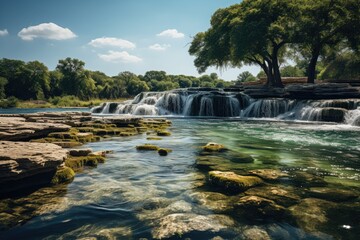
63,175
68,144
154,138
233,182
127,134
85,129
214,147
77,163
164,151
163,133
141,129
147,147
62,135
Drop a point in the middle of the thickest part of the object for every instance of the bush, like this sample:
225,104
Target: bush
9,102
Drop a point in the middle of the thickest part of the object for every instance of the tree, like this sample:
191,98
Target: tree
252,32
325,23
3,82
38,80
291,71
245,77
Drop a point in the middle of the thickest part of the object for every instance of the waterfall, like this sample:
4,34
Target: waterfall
268,108
353,117
211,103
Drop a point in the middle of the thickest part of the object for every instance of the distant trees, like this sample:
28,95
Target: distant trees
262,33
33,80
245,77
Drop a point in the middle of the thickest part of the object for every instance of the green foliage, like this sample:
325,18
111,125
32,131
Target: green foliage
9,102
246,77
292,71
3,82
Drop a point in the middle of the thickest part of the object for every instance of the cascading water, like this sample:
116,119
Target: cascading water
191,102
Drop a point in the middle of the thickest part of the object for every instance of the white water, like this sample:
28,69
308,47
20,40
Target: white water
221,104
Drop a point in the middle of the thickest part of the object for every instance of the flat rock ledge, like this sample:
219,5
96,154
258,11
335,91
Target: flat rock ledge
18,129
25,164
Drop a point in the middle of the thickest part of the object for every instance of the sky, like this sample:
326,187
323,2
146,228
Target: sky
111,36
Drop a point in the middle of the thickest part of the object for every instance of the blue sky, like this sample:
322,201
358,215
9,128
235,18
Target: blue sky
109,35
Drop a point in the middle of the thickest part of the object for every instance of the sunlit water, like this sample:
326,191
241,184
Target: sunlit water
130,195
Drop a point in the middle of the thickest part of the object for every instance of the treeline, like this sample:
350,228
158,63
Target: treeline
33,80
267,33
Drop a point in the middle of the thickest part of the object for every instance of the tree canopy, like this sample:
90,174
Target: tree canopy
262,32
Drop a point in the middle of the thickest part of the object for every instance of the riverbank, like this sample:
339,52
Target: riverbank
34,146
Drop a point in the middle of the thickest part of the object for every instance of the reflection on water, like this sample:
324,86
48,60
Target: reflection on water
142,195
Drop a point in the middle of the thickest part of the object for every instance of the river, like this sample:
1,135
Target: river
138,195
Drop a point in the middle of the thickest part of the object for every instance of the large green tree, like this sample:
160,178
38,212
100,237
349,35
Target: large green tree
252,32
323,24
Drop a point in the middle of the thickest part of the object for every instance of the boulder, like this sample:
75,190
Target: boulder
258,208
329,114
179,224
333,194
233,182
17,129
284,196
80,152
214,147
164,151
25,164
269,174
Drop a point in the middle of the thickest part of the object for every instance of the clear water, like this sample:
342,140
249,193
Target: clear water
127,197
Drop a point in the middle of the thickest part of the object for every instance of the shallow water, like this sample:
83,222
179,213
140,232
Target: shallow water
139,194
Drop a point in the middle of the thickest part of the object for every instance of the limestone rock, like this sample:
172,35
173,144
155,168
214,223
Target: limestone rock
80,152
233,182
20,160
332,194
214,147
258,208
281,195
269,174
332,114
183,223
17,129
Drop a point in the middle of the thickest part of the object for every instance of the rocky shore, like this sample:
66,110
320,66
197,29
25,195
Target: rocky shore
38,149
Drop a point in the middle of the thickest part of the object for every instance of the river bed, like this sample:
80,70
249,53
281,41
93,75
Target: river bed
138,194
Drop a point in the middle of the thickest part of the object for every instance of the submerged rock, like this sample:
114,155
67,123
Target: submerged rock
213,201
254,233
281,195
310,214
258,208
214,147
164,151
333,194
147,147
233,182
179,224
269,174
63,175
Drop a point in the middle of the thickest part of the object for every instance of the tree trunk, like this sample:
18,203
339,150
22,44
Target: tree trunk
269,74
312,65
276,68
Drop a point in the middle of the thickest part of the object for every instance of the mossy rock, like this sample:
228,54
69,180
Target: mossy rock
141,129
233,182
127,134
147,147
85,129
163,133
214,147
62,135
63,175
241,158
164,151
77,163
154,138
68,144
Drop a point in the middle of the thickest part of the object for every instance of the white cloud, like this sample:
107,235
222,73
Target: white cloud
115,56
4,32
112,42
172,33
46,31
159,47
